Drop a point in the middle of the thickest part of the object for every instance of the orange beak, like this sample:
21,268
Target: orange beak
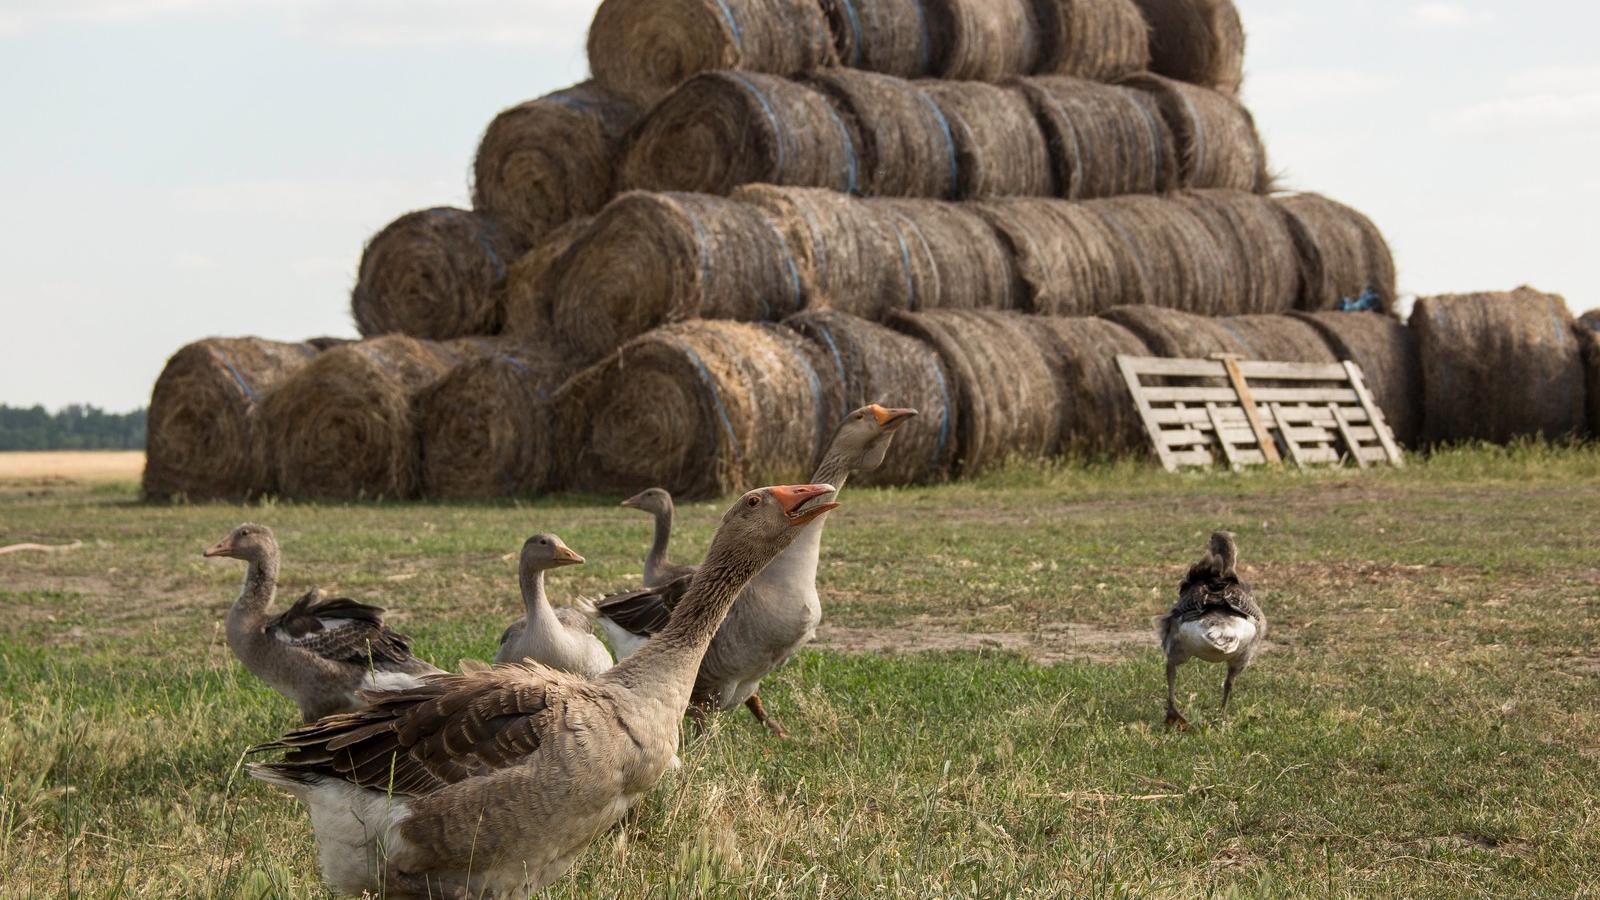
220,548
796,497
568,556
890,419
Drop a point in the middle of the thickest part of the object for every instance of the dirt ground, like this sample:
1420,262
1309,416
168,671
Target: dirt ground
71,465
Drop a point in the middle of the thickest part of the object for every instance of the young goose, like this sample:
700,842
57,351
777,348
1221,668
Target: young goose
560,638
320,653
1215,619
778,611
658,503
491,782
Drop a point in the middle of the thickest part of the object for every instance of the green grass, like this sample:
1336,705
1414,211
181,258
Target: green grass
1426,721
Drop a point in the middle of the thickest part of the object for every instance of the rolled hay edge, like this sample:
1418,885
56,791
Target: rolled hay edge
435,274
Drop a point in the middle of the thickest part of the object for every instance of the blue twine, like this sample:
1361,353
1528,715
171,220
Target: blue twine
513,362
243,385
733,26
923,240
1196,134
944,423
796,293
716,397
949,143
855,29
699,245
570,102
924,49
1368,301
772,115
905,264
838,361
851,165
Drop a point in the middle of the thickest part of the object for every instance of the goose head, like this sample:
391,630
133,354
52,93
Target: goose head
765,521
546,551
651,500
249,542
863,439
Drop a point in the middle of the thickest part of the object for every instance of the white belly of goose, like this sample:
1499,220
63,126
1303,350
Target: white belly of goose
1216,638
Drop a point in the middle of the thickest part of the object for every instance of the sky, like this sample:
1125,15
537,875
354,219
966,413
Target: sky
176,169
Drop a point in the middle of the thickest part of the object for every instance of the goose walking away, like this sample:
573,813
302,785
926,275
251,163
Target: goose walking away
657,570
779,610
1216,619
560,638
321,653
491,782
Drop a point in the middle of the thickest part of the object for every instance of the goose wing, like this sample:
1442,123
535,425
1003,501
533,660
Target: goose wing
646,611
340,629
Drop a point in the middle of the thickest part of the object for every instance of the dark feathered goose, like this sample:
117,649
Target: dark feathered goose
1216,619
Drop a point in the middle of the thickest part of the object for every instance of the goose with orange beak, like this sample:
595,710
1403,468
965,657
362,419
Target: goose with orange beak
779,610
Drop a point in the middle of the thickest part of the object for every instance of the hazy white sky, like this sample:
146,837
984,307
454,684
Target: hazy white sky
172,169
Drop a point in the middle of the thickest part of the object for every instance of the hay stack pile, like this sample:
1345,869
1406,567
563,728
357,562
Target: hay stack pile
761,214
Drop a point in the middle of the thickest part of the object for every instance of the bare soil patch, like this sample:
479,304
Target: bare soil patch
1054,644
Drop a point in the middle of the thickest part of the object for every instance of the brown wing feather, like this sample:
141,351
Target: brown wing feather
646,611
356,633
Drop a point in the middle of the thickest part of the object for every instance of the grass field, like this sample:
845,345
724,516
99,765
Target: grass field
981,717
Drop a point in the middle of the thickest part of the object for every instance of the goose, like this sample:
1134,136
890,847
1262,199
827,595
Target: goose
560,638
320,653
489,783
658,503
1216,619
779,611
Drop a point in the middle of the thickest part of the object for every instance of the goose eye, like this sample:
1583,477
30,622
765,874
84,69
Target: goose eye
753,502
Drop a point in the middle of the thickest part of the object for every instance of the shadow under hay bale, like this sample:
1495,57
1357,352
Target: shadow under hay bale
723,129
650,259
875,364
1000,149
1216,136
700,408
203,441
1103,139
1102,40
1098,415
1198,41
905,145
1067,256
545,161
1344,260
436,274
644,48
984,40
485,426
1005,391
1498,366
888,36
1267,274
1387,353
342,427
531,282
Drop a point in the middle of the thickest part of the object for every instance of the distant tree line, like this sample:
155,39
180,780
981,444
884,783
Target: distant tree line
74,427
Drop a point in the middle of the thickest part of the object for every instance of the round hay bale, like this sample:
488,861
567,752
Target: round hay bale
649,259
1102,40
1000,149
436,274
1198,41
1218,144
1498,366
1390,364
954,259
202,440
1068,258
1278,339
1589,343
486,426
531,281
342,427
889,36
906,147
1259,242
1172,256
724,129
545,161
1005,391
984,40
875,364
1344,259
700,408
644,48
1103,139
1590,320
1174,334
1098,416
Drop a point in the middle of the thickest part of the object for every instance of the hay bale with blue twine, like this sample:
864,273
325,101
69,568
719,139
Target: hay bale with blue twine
1344,260
435,274
1104,140
203,441
875,364
724,129
702,408
984,40
486,426
1198,41
1218,144
1098,418
1259,245
1499,366
1069,259
1101,40
546,161
1386,350
1000,148
650,259
530,284
343,427
1008,406
888,36
642,49
905,144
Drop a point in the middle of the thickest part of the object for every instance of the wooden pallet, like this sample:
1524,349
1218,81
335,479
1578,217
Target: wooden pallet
1204,411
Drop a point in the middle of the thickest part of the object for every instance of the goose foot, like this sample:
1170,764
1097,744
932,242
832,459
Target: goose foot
1176,720
760,712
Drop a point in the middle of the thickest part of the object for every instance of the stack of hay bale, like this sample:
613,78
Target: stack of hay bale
760,214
